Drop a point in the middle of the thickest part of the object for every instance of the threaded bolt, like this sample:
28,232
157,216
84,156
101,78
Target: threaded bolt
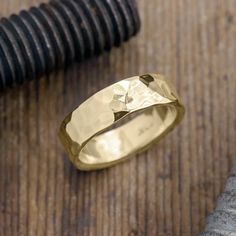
53,35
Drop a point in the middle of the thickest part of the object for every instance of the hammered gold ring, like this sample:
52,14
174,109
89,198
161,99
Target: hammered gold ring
121,120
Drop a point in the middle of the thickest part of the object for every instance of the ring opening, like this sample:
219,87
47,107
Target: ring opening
129,137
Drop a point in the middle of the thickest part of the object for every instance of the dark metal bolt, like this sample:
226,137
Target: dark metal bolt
53,35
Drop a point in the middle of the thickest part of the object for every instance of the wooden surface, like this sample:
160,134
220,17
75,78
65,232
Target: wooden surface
168,190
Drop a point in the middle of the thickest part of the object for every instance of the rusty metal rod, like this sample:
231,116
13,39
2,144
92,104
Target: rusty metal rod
53,35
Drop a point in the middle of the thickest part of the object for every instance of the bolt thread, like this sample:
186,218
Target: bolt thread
53,35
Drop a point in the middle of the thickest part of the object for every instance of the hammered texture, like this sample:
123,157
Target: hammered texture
85,125
121,98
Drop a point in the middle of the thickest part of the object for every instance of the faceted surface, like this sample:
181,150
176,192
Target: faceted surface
84,128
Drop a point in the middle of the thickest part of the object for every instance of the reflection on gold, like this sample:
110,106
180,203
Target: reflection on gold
90,137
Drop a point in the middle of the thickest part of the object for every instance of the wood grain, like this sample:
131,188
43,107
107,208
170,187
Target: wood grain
168,190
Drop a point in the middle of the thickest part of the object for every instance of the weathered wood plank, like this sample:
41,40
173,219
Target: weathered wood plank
168,190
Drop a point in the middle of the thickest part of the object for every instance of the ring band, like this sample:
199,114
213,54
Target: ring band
121,120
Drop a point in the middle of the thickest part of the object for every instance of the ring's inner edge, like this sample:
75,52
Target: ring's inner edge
130,137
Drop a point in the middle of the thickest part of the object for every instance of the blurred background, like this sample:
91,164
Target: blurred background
168,190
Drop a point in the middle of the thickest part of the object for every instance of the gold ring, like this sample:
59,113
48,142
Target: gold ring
121,120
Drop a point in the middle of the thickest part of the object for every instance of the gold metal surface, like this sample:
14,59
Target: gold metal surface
97,134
